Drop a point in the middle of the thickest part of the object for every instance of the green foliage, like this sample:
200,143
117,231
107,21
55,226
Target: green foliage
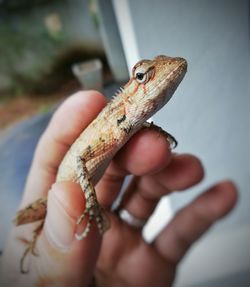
33,37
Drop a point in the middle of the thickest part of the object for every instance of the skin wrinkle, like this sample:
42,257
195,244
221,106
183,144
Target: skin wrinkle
144,192
177,169
158,187
215,207
48,168
136,197
136,189
173,255
65,201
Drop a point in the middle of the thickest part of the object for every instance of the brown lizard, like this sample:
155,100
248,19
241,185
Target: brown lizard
152,84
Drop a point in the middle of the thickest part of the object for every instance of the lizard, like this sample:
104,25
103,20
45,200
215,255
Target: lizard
150,87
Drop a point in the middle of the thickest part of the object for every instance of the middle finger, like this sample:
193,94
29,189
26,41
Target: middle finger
144,192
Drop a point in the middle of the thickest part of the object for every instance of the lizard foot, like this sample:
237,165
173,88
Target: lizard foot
171,139
31,248
94,213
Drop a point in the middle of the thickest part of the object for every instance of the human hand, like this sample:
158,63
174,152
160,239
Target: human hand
125,259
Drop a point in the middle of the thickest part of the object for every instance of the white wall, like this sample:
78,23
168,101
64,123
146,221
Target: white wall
210,112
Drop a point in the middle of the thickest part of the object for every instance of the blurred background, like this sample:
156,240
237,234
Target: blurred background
50,49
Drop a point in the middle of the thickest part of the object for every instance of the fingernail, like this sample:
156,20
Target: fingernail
59,226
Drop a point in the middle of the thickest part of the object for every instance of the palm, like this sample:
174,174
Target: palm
126,260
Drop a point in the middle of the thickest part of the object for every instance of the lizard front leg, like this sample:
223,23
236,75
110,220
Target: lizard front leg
93,210
171,139
31,247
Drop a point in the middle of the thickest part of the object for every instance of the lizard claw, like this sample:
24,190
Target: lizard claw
98,215
171,139
29,250
22,261
34,252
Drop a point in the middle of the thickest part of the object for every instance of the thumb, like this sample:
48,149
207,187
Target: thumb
65,260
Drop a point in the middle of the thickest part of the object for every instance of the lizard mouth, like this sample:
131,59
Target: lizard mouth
172,81
177,74
161,92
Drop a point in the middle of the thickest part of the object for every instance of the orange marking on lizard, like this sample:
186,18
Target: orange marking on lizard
144,88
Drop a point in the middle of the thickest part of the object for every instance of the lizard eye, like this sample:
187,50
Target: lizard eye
142,72
141,77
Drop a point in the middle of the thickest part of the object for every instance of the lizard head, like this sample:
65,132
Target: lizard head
153,82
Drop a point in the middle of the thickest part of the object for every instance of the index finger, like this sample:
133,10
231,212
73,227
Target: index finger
71,118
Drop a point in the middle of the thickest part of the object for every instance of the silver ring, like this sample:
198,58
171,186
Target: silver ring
131,219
